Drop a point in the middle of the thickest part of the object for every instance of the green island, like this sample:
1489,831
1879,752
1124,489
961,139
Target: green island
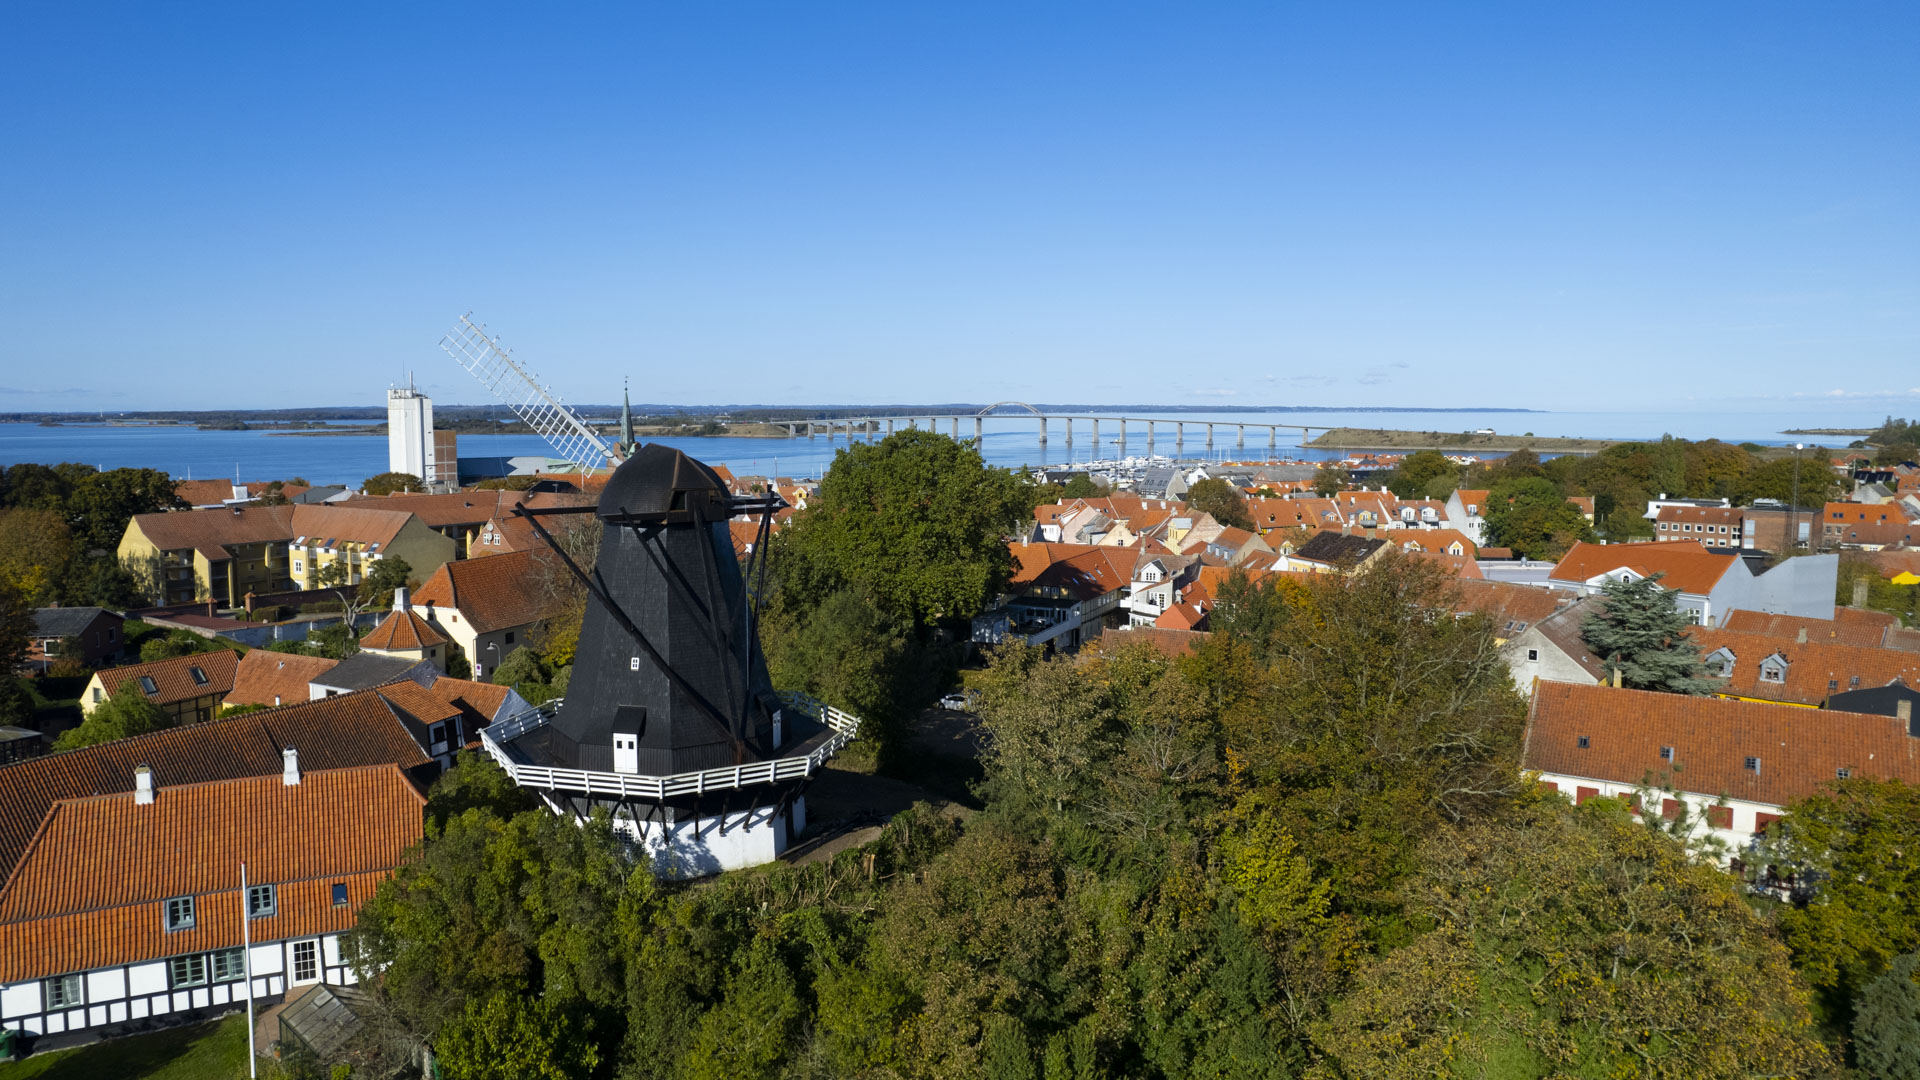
1388,439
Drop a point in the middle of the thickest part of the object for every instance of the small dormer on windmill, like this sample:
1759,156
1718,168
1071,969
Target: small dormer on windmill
671,723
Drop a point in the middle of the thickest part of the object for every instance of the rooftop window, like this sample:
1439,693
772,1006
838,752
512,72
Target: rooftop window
1585,742
1666,753
148,685
199,675
1753,765
179,913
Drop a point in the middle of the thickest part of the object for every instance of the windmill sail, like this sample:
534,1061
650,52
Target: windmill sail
506,379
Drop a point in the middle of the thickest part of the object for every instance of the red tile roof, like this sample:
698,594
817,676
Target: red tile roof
468,508
336,732
1814,669
1171,642
1507,603
1849,626
494,593
1086,570
1836,513
174,677
265,676
1685,564
419,702
479,702
87,891
402,631
1799,750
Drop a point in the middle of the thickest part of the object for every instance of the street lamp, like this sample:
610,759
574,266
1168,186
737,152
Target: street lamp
494,647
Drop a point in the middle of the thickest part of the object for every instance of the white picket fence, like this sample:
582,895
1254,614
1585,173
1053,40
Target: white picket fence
624,785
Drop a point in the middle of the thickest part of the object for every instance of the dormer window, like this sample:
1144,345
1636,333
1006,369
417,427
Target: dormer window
1666,753
1720,663
1773,669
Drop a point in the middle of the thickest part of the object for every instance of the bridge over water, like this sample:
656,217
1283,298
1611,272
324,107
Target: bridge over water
855,427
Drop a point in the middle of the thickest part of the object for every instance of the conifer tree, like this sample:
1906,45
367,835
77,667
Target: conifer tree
1640,631
1886,1022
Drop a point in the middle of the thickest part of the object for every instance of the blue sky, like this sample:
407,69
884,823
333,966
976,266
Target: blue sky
1549,205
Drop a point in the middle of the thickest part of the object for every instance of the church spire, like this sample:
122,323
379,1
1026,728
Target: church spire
626,421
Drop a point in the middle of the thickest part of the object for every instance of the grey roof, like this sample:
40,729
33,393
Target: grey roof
1881,701
317,495
1328,546
54,622
365,670
1562,631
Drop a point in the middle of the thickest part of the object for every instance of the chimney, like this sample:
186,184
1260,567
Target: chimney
1801,637
1904,710
290,766
248,601
1617,683
142,785
400,598
1860,592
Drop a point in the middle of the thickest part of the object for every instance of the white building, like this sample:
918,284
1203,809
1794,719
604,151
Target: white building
100,936
410,434
1735,764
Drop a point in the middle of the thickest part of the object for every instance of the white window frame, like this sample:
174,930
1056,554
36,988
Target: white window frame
312,960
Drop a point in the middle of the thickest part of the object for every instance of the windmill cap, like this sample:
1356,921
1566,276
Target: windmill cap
659,482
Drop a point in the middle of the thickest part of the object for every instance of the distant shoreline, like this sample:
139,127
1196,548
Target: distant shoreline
1457,441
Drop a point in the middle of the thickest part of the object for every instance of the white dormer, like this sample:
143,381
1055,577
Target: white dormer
1773,669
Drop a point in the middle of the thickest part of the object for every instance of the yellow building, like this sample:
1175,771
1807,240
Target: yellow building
222,555
189,689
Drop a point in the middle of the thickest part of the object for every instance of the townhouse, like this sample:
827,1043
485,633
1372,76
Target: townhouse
487,607
128,909
122,907
188,689
1330,551
1796,669
185,556
1714,526
1709,584
1876,525
86,635
1735,764
1060,595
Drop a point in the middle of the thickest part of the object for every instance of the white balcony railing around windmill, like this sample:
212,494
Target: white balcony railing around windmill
844,727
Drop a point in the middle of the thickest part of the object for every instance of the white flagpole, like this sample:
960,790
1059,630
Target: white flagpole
246,969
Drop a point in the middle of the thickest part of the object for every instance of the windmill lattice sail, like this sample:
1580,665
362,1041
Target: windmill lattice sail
550,418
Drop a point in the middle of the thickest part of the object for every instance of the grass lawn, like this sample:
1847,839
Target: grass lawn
215,1050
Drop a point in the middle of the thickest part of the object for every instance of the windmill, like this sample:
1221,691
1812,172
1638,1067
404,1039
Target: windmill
507,379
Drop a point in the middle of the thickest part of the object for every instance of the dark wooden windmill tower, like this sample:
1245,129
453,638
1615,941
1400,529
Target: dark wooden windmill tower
670,722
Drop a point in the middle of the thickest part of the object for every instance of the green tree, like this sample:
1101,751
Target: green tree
1328,479
1819,484
336,641
527,673
850,654
387,483
101,504
1221,499
1638,629
1855,842
126,713
1886,1024
175,643
1533,518
382,577
917,520
1082,486
1420,470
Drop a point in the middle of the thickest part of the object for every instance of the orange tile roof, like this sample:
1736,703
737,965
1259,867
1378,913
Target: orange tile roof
1799,749
402,630
1814,669
1459,566
1709,515
418,701
180,530
1088,570
174,676
1506,603
478,701
203,492
1475,499
492,593
1849,626
273,678
336,732
1836,513
1171,642
1685,564
86,892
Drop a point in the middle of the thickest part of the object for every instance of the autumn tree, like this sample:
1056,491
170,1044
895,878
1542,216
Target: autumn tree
1638,629
1328,479
387,483
1420,471
1221,499
1571,941
1534,518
